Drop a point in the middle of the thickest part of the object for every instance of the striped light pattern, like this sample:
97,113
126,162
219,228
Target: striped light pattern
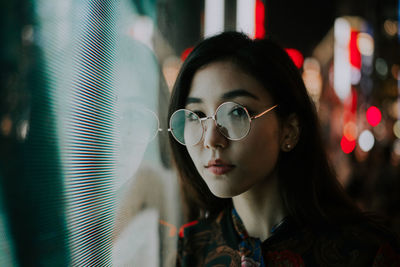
213,17
88,150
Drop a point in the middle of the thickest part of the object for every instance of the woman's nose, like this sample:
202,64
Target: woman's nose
213,138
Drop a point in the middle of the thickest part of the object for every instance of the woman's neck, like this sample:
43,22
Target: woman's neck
260,208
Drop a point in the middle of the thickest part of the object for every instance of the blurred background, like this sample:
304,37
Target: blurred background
85,171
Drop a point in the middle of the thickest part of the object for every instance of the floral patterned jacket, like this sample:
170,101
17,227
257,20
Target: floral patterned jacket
217,243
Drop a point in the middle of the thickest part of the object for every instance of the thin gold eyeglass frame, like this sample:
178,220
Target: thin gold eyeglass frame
251,118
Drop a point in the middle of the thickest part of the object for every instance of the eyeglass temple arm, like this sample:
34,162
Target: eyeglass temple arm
264,112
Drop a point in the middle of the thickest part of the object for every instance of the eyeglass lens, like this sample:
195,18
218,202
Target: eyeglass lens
232,120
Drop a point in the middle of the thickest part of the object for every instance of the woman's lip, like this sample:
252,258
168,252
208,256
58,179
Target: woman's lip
220,169
218,162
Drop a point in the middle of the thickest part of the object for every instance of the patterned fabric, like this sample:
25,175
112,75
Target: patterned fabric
224,241
249,247
386,256
285,258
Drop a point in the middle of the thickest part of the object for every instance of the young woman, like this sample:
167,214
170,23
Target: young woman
257,185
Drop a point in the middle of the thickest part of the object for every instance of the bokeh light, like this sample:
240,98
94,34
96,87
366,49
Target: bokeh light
347,145
245,16
365,44
22,129
170,69
395,71
260,20
143,30
366,140
296,56
342,31
390,27
312,78
396,129
381,67
355,75
6,125
355,56
396,147
380,131
186,52
213,17
374,116
341,54
350,131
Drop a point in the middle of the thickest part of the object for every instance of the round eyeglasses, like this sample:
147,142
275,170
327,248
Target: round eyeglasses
231,119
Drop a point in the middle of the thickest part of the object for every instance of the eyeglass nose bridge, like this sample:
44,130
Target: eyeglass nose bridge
207,118
204,126
202,120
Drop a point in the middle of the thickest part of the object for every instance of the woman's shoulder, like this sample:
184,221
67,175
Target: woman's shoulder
358,243
364,242
379,239
368,233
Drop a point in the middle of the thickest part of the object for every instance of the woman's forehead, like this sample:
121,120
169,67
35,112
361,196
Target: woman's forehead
224,80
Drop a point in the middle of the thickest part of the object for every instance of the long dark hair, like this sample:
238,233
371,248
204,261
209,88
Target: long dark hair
307,183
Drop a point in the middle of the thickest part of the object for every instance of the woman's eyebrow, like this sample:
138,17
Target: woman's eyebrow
227,96
191,100
237,93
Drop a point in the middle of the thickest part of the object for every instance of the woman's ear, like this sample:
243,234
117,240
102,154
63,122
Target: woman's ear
290,133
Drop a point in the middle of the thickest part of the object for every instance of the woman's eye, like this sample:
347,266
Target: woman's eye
238,112
191,117
194,116
200,114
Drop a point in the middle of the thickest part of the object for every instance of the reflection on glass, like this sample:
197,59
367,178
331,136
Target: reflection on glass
141,124
146,206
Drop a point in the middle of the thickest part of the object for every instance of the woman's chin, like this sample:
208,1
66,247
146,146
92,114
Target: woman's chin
224,192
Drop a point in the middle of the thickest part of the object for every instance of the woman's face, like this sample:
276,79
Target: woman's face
231,168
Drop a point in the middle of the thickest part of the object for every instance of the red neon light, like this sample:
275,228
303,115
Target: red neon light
355,55
185,53
182,228
296,56
260,20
